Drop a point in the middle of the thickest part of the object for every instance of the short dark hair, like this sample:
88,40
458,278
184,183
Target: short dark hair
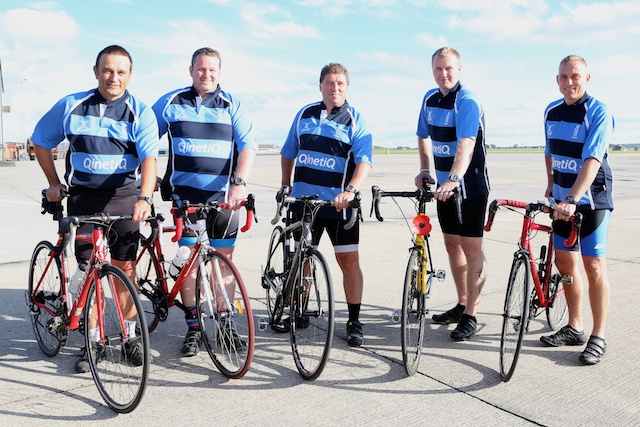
114,49
206,51
334,68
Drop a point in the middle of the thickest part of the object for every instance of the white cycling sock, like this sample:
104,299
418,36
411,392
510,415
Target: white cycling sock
131,327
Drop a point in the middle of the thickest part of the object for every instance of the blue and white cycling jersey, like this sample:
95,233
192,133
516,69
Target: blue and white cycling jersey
326,150
204,140
575,133
446,119
107,140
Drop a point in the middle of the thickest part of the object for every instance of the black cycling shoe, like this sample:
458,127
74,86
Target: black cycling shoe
354,334
449,316
593,354
466,327
97,352
567,335
285,325
192,343
133,351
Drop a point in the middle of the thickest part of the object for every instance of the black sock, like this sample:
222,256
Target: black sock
459,308
354,312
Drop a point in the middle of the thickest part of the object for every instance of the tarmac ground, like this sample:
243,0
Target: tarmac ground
456,383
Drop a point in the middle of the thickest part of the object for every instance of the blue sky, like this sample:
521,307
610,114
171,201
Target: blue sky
272,53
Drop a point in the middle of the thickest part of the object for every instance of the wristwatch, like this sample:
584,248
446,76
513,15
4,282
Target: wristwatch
146,199
238,181
454,178
571,199
351,189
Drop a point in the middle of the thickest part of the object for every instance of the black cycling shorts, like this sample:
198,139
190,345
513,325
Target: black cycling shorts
474,211
341,239
123,236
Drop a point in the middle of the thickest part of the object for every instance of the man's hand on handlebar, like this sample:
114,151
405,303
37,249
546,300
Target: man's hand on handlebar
342,200
285,191
424,175
445,191
54,192
237,193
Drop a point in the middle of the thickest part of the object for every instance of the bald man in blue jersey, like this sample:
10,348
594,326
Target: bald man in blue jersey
451,130
211,153
110,166
578,131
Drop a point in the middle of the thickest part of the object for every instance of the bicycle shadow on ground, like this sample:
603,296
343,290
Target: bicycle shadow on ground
26,372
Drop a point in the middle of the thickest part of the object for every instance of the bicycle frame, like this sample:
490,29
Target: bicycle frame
197,254
98,257
422,228
541,276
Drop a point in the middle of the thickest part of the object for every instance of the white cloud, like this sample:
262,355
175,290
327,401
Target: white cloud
431,41
269,21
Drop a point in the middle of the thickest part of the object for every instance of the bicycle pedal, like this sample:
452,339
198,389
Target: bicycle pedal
441,275
263,324
396,315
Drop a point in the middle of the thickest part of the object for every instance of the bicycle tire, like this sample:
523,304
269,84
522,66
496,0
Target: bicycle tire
414,313
312,315
557,310
274,276
120,374
516,314
227,324
148,273
47,322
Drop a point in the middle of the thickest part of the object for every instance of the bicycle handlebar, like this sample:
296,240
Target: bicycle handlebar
154,222
422,195
187,208
540,206
313,203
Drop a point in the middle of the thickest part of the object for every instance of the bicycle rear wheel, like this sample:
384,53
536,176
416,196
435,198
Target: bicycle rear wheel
226,319
311,315
148,273
119,359
413,313
516,315
47,308
274,275
557,309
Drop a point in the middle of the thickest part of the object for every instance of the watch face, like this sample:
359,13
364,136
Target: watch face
454,178
239,181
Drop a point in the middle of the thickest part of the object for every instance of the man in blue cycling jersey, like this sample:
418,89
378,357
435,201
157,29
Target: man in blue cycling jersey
578,131
211,153
328,153
110,166
451,130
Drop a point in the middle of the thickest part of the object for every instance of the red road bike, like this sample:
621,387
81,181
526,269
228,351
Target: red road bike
224,309
522,302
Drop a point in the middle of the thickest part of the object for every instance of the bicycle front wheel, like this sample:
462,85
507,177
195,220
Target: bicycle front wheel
557,309
226,319
414,313
45,298
516,315
119,359
148,273
274,275
311,315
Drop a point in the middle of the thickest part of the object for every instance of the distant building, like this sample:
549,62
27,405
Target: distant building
618,147
268,148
